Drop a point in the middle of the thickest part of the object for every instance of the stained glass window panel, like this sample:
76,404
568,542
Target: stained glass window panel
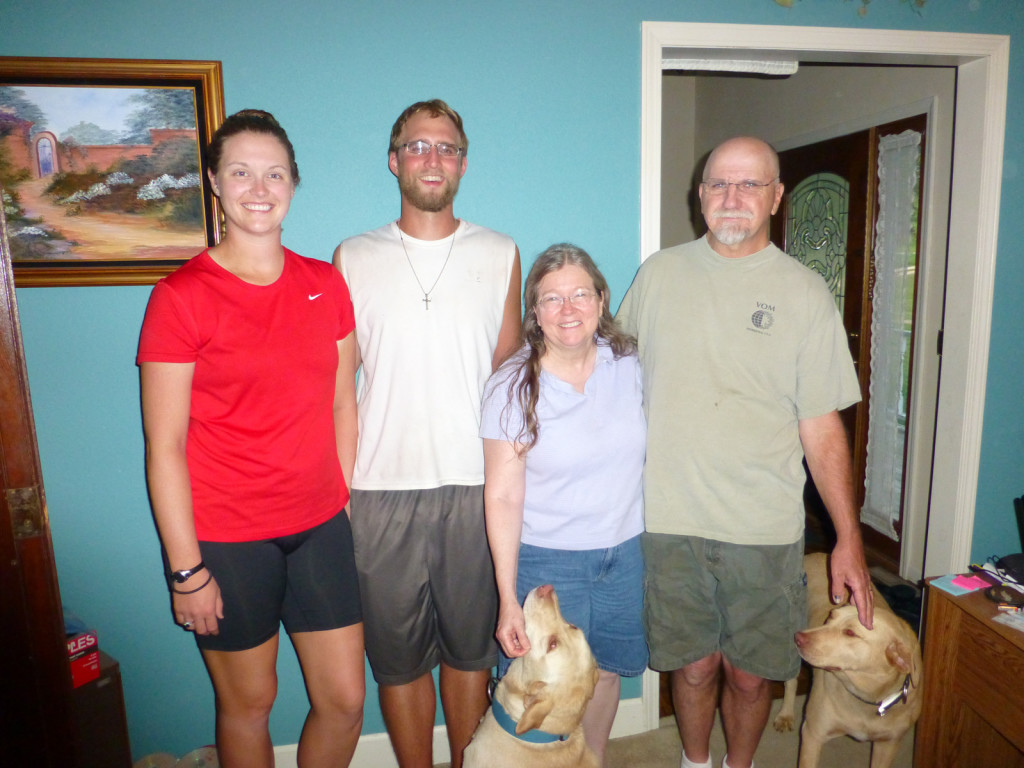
816,228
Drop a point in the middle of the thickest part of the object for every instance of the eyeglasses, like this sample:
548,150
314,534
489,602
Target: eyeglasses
747,187
581,300
420,147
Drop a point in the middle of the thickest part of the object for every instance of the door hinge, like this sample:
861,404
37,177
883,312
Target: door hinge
938,343
26,511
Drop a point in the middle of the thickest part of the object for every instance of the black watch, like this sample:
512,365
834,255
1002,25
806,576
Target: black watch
182,576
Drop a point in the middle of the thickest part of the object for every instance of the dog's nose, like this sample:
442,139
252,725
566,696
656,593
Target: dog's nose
545,591
800,638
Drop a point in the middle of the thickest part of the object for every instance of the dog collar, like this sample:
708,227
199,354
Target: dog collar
893,699
533,736
889,701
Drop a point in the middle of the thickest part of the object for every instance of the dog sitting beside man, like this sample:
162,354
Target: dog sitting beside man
866,683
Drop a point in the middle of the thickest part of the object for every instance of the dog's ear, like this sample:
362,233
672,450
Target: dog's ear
535,688
538,706
581,694
899,655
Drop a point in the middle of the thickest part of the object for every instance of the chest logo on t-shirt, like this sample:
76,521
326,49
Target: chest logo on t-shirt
763,318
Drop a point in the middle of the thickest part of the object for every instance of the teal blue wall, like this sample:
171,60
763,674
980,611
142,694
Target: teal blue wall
550,92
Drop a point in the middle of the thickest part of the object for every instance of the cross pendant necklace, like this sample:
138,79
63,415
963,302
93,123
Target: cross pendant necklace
426,294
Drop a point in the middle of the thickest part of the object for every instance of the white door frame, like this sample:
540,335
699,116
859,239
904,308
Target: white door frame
982,63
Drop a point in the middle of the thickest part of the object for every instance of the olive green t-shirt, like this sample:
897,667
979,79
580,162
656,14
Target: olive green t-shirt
734,353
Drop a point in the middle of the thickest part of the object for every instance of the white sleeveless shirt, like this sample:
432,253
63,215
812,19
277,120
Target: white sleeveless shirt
424,364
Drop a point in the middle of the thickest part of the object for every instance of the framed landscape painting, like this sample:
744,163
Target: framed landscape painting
103,170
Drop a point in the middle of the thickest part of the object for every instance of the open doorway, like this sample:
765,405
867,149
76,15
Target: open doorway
852,213
980,64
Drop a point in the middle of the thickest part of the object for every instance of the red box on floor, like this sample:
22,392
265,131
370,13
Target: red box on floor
84,655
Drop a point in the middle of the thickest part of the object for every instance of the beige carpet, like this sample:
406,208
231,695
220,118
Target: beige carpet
661,748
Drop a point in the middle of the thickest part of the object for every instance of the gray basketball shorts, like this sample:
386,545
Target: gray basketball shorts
426,580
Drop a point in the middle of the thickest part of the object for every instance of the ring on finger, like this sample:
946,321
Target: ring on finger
187,625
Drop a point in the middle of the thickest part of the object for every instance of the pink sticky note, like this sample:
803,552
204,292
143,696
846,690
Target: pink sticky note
971,582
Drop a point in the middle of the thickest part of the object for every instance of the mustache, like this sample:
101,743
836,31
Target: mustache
732,214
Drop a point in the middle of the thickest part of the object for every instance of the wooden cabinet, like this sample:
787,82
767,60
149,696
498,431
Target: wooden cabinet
100,723
973,711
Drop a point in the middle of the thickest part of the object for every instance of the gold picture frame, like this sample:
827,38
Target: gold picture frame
104,166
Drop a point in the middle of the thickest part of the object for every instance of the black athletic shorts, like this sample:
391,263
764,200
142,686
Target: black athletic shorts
307,581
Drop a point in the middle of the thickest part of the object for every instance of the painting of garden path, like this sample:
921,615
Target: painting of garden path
101,173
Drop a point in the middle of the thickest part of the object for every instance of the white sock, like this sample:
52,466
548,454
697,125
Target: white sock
725,762
687,763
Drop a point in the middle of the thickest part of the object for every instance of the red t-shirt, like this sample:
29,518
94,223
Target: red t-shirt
262,453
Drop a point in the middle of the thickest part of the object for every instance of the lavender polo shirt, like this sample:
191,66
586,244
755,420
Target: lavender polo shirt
584,475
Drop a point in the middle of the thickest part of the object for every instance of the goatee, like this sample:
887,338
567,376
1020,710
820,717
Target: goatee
730,234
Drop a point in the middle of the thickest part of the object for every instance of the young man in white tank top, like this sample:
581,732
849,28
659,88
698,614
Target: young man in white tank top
437,309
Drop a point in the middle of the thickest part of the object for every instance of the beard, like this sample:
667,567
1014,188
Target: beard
428,200
732,232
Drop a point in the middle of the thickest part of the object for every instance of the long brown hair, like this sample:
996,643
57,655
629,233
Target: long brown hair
523,368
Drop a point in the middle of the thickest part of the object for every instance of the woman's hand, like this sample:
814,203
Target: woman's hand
511,631
198,611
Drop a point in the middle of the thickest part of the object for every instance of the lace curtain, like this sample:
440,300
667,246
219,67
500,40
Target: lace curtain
891,319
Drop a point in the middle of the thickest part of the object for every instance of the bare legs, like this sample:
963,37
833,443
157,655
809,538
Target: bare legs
245,684
464,699
600,714
409,714
334,671
746,704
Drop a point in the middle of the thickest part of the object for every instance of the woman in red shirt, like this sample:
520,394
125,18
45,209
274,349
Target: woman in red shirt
250,434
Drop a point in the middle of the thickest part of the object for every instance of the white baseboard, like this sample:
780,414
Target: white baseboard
374,749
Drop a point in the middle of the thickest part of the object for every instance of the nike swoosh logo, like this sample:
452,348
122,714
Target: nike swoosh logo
315,296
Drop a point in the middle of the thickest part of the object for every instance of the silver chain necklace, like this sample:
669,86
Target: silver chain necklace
426,293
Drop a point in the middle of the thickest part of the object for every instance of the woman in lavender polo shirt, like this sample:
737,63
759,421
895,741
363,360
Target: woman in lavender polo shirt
564,444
